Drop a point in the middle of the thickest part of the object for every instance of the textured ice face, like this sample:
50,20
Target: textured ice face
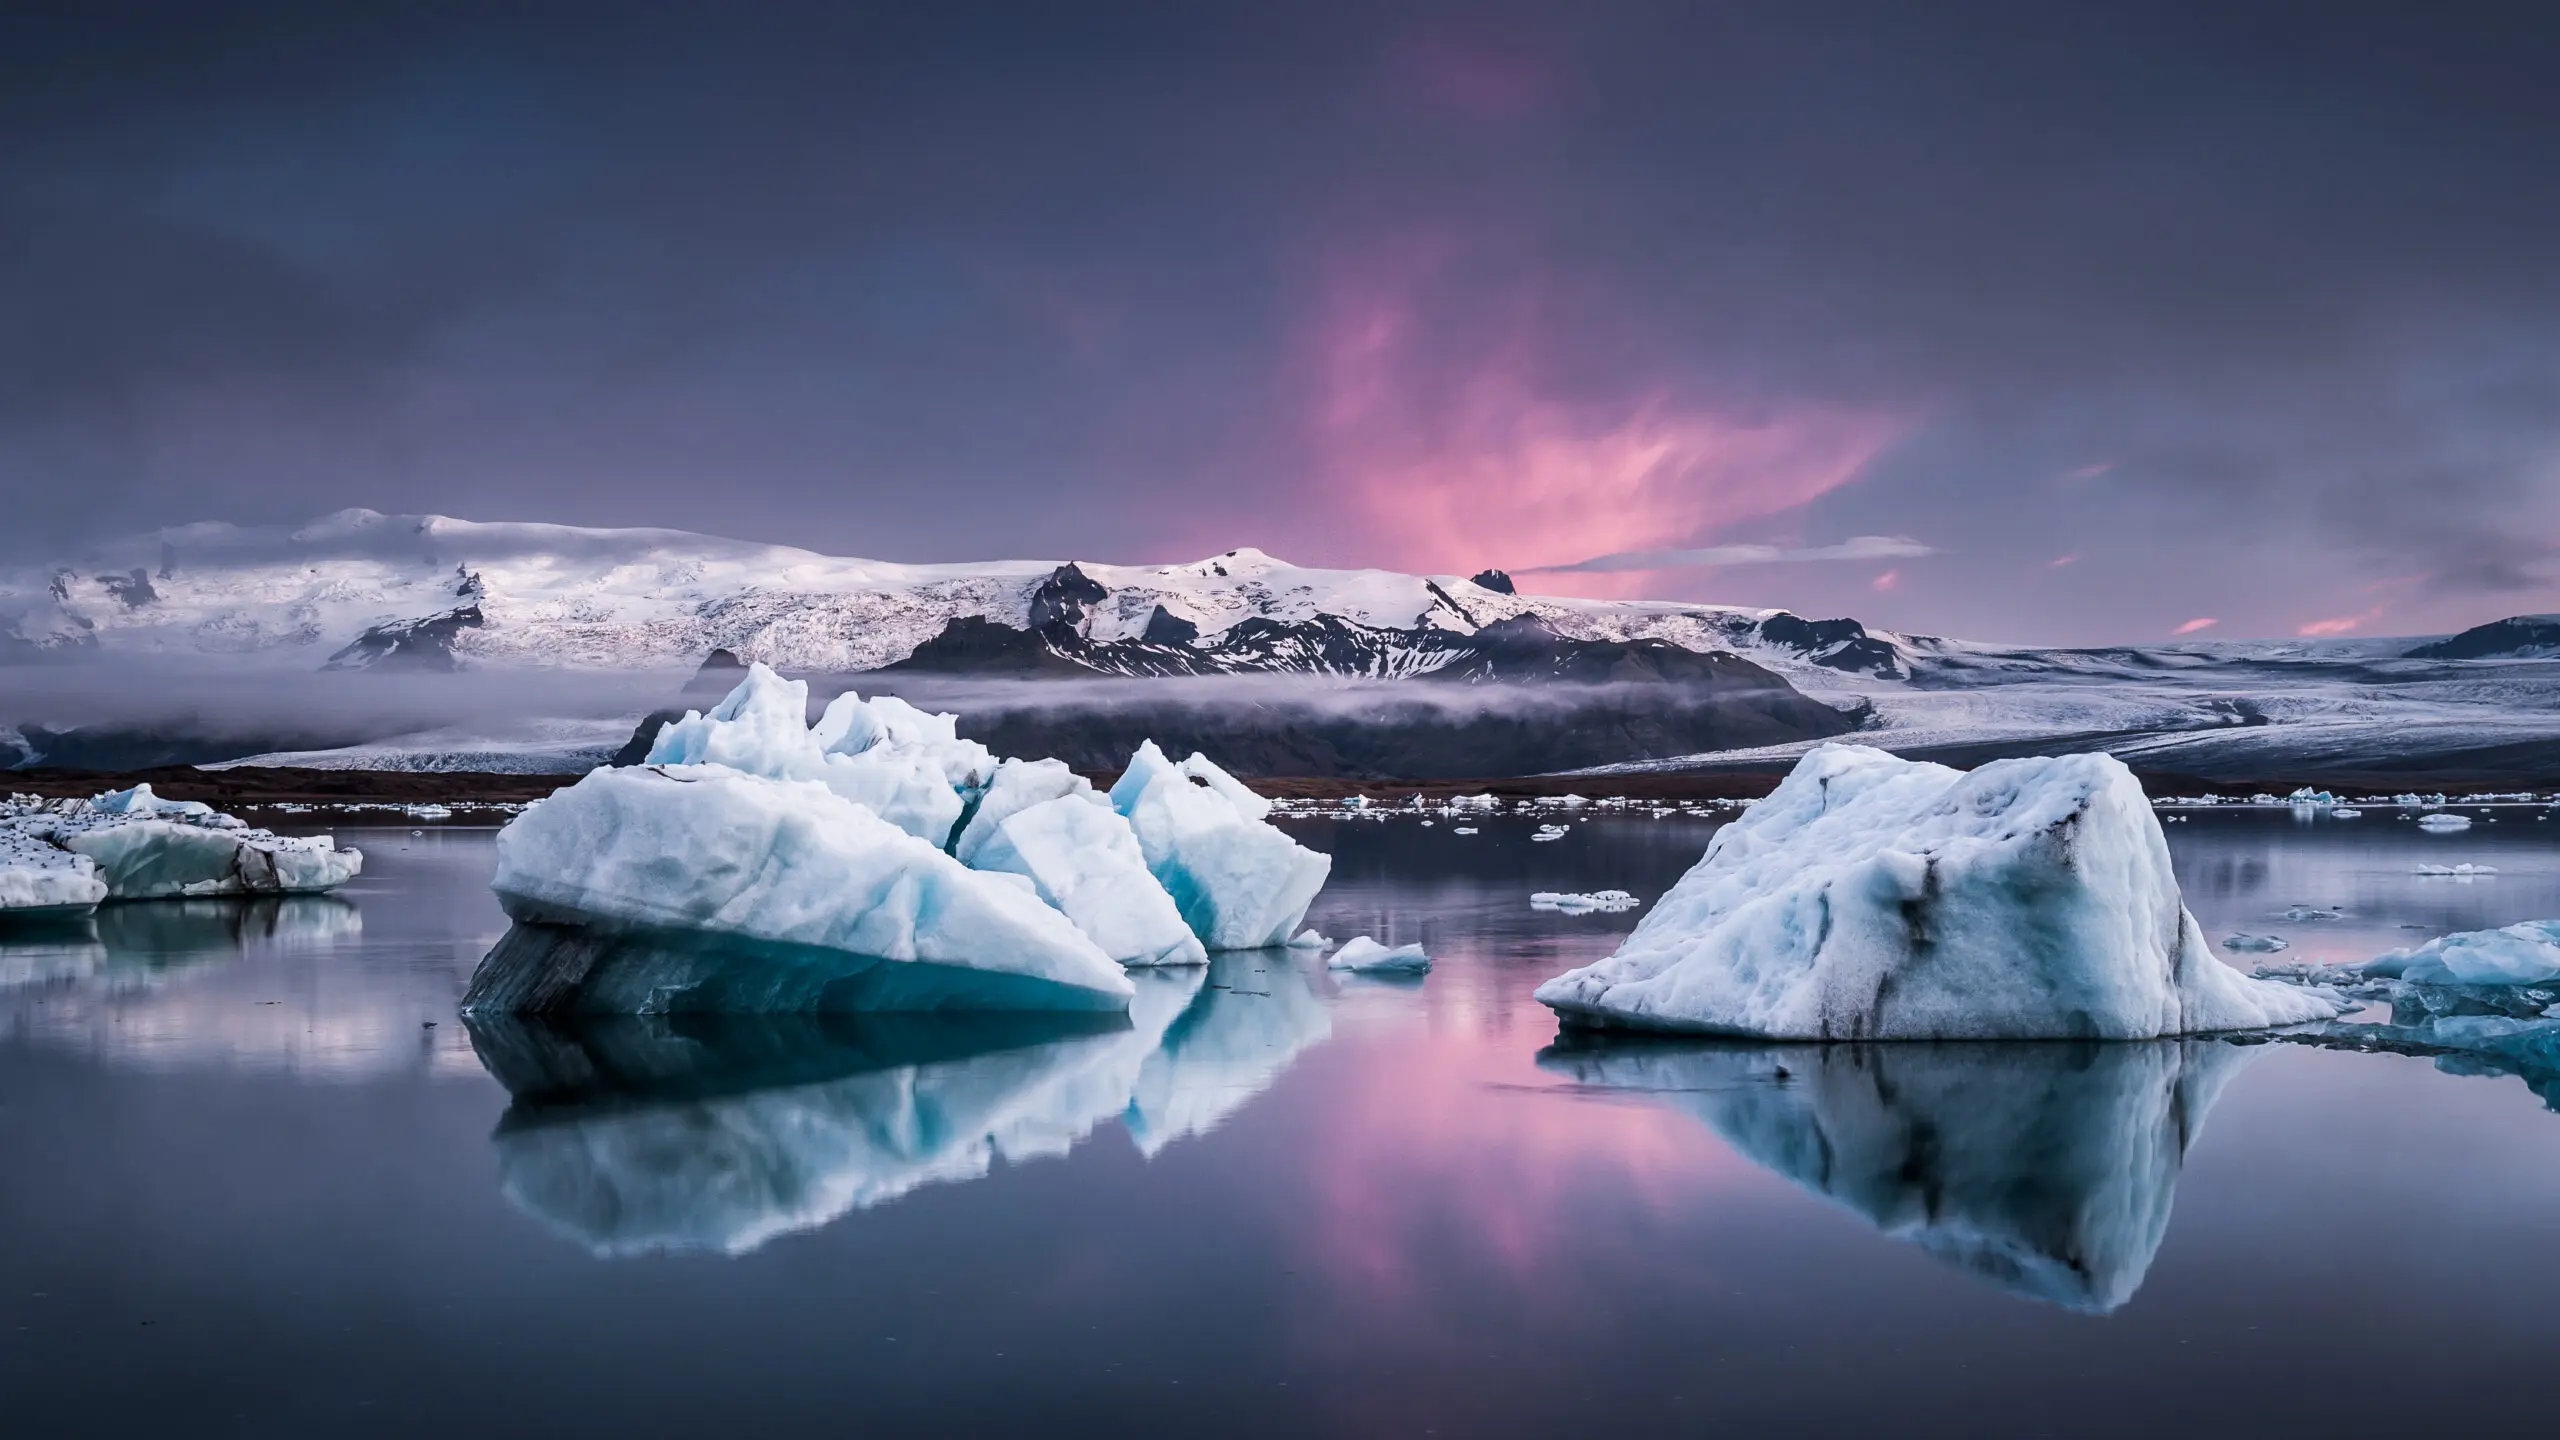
132,845
2046,1170
1085,860
1875,898
1239,883
2522,954
791,865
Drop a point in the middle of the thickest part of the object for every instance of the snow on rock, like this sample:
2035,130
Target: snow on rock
2523,954
1365,956
1239,883
838,908
141,847
1870,897
2046,1171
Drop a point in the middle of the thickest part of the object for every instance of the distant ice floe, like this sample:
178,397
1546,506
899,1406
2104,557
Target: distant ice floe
1870,897
1365,956
875,861
2441,823
2256,944
1569,903
2521,954
67,856
1551,832
2463,872
2047,1171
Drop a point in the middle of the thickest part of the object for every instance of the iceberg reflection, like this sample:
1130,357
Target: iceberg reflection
136,943
641,1134
2046,1169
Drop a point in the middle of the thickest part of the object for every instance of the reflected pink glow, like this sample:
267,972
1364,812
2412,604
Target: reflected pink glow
1448,459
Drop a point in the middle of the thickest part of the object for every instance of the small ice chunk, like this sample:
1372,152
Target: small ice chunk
1308,939
140,801
2301,913
1462,830
2443,822
1582,904
2521,954
1364,956
2345,812
1870,897
2256,944
1551,832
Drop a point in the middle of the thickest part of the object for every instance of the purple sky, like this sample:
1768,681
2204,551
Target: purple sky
2050,322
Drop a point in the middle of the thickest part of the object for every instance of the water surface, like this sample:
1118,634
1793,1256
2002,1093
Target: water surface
261,1180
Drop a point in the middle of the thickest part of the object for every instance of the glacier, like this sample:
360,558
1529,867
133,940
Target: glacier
135,845
1241,884
2044,1170
1875,898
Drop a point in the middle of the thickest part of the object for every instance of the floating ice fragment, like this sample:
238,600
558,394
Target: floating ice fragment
2256,944
2522,954
2443,823
1582,904
1309,940
2463,871
1365,956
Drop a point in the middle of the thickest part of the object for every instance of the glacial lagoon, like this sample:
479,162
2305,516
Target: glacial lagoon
262,1179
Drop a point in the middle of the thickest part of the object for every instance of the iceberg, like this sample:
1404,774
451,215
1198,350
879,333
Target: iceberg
2046,1170
764,895
2256,944
1239,883
139,846
1875,898
1084,859
2522,954
1364,956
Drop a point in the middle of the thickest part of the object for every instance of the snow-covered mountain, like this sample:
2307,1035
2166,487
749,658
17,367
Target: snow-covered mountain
359,590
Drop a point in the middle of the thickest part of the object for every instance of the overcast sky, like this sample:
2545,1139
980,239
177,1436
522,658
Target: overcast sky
2067,322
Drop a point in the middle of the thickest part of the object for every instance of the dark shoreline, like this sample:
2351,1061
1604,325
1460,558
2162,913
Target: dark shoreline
261,787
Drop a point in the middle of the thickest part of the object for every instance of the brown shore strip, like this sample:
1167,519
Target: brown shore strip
255,787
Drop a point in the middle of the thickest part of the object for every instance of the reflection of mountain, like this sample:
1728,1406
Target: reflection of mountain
2044,1169
689,1132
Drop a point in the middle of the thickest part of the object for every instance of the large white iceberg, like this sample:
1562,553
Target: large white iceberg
1239,883
2521,954
141,847
1084,860
1875,898
840,908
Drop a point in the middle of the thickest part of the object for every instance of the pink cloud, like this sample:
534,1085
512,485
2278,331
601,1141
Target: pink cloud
1449,452
1886,581
2192,626
2060,562
2090,472
2340,625
1475,80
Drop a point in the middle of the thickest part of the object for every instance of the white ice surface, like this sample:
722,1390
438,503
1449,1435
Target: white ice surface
1364,956
2521,954
1875,898
706,849
141,847
1085,860
1239,883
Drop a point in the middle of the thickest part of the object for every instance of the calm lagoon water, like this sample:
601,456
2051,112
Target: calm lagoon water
257,1178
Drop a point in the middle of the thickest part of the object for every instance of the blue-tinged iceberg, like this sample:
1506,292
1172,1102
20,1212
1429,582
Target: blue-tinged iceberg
874,861
1240,883
68,855
1873,898
2522,954
839,908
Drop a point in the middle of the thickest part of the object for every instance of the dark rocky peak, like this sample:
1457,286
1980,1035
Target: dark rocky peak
1494,580
62,579
1061,600
467,584
2516,636
168,560
425,644
133,589
976,645
717,675
1166,628
1842,644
